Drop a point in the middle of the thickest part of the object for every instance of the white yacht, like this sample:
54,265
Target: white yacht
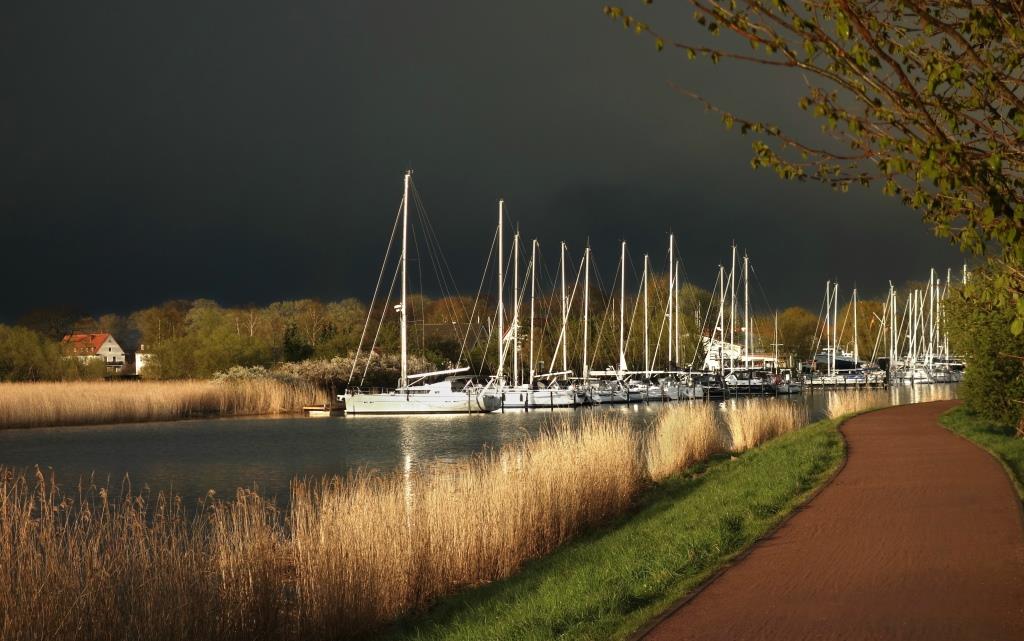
413,395
450,396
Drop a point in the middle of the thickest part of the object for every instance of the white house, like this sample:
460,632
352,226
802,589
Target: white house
95,346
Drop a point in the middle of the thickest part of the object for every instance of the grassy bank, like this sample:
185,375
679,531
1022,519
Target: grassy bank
608,583
353,554
1000,440
82,403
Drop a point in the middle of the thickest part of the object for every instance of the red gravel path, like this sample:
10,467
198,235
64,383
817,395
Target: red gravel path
920,536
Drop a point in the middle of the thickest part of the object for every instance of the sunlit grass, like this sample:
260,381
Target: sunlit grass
81,403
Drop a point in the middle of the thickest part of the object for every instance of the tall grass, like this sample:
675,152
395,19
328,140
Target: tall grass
81,403
682,435
845,402
751,422
349,554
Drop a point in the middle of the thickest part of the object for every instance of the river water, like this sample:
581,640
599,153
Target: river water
192,457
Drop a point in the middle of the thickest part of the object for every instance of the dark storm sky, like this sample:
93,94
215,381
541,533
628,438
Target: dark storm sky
251,151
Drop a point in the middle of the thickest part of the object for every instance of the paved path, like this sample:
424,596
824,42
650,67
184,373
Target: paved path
920,536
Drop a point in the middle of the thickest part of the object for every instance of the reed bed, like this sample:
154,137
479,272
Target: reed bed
751,422
82,403
845,402
348,556
682,435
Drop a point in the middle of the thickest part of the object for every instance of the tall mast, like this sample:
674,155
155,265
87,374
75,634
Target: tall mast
828,326
647,355
622,310
931,316
565,312
675,314
775,342
721,316
746,310
501,291
586,309
892,325
533,295
732,302
945,333
671,241
835,324
515,309
856,350
404,378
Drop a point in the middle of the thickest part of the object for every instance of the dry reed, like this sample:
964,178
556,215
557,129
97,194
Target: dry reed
348,556
681,436
81,403
845,402
751,422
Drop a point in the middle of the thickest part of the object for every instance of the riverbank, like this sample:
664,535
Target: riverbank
610,582
999,440
350,554
90,403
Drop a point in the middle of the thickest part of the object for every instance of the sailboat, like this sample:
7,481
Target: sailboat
516,393
415,395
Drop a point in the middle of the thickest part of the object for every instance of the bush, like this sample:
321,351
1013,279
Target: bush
26,355
979,330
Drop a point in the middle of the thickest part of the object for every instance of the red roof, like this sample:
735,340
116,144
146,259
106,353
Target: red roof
85,343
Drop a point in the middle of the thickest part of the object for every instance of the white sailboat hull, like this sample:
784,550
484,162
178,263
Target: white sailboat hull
416,402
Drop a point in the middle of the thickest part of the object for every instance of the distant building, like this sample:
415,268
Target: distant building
142,360
95,346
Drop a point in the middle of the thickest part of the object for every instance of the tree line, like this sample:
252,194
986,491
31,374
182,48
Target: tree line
199,338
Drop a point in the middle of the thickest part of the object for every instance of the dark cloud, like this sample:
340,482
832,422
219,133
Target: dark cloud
253,151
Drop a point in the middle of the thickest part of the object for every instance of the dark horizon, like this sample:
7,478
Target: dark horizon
253,152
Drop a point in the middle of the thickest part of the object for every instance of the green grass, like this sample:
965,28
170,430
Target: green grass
999,440
607,584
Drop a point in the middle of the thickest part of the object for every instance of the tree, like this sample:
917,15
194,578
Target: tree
921,98
994,378
26,355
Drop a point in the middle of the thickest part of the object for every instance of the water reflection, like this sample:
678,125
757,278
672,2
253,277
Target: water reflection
192,457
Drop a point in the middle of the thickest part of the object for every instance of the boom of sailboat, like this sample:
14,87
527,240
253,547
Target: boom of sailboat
916,352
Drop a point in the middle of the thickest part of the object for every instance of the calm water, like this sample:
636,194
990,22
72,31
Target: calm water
192,457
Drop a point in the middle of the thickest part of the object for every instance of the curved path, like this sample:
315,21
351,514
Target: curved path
920,536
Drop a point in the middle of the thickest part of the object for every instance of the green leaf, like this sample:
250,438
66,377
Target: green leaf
1017,326
659,44
842,26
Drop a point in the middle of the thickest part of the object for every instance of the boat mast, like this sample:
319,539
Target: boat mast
945,332
501,293
404,378
586,308
622,310
675,314
721,317
775,343
671,241
732,305
647,356
515,309
746,310
828,326
565,317
835,324
931,317
892,326
856,351
533,296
